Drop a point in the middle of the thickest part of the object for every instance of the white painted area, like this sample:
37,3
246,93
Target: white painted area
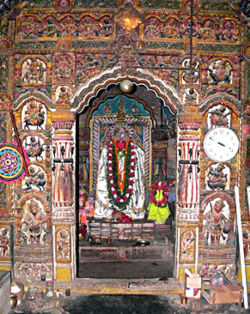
242,259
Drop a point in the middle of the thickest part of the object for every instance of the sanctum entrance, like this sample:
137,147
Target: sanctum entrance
125,191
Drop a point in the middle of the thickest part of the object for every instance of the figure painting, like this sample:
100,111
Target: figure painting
64,68
218,177
216,225
36,180
34,223
63,245
220,72
34,71
187,247
219,116
33,115
4,242
34,147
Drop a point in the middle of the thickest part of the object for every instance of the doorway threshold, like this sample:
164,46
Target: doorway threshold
155,286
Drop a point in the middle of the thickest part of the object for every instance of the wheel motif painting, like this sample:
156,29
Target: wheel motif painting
11,163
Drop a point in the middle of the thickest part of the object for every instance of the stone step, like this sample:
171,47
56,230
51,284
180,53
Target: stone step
125,253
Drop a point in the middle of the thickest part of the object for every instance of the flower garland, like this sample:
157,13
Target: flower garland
156,186
120,186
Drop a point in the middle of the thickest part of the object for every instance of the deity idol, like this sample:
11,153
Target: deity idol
120,182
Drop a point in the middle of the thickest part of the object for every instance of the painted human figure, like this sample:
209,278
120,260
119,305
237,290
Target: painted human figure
4,242
63,244
187,246
34,223
246,244
216,222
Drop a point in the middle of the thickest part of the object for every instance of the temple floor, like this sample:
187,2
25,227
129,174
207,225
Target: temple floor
129,270
127,259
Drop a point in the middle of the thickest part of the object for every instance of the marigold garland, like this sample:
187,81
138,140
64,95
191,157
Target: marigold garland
120,191
164,188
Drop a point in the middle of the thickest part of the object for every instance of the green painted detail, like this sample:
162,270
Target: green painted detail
160,4
40,4
163,45
91,44
4,68
215,5
36,45
95,3
219,48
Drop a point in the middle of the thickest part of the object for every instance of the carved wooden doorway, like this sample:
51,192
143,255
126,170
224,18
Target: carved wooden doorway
114,236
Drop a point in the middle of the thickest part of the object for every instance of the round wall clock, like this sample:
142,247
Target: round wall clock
221,144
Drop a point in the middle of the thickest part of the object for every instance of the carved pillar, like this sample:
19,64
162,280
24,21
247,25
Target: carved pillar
63,204
188,196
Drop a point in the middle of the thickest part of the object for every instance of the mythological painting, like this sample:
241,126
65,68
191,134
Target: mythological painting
187,247
218,177
216,222
36,180
34,223
33,71
34,146
33,115
220,72
4,241
219,115
63,245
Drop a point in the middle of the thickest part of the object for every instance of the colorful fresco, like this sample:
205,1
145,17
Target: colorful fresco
63,65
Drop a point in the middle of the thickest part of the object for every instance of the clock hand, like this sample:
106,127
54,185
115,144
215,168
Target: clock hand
221,144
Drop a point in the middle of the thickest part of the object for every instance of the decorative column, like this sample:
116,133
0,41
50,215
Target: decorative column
63,194
188,195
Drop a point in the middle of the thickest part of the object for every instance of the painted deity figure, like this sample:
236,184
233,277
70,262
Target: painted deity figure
158,208
187,246
220,72
4,242
33,71
34,115
219,115
63,244
120,181
216,222
217,177
34,223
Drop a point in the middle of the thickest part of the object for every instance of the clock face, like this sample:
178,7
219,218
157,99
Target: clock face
221,144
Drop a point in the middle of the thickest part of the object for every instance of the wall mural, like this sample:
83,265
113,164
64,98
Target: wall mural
58,59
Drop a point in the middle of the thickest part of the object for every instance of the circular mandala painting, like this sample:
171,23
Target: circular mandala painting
11,163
